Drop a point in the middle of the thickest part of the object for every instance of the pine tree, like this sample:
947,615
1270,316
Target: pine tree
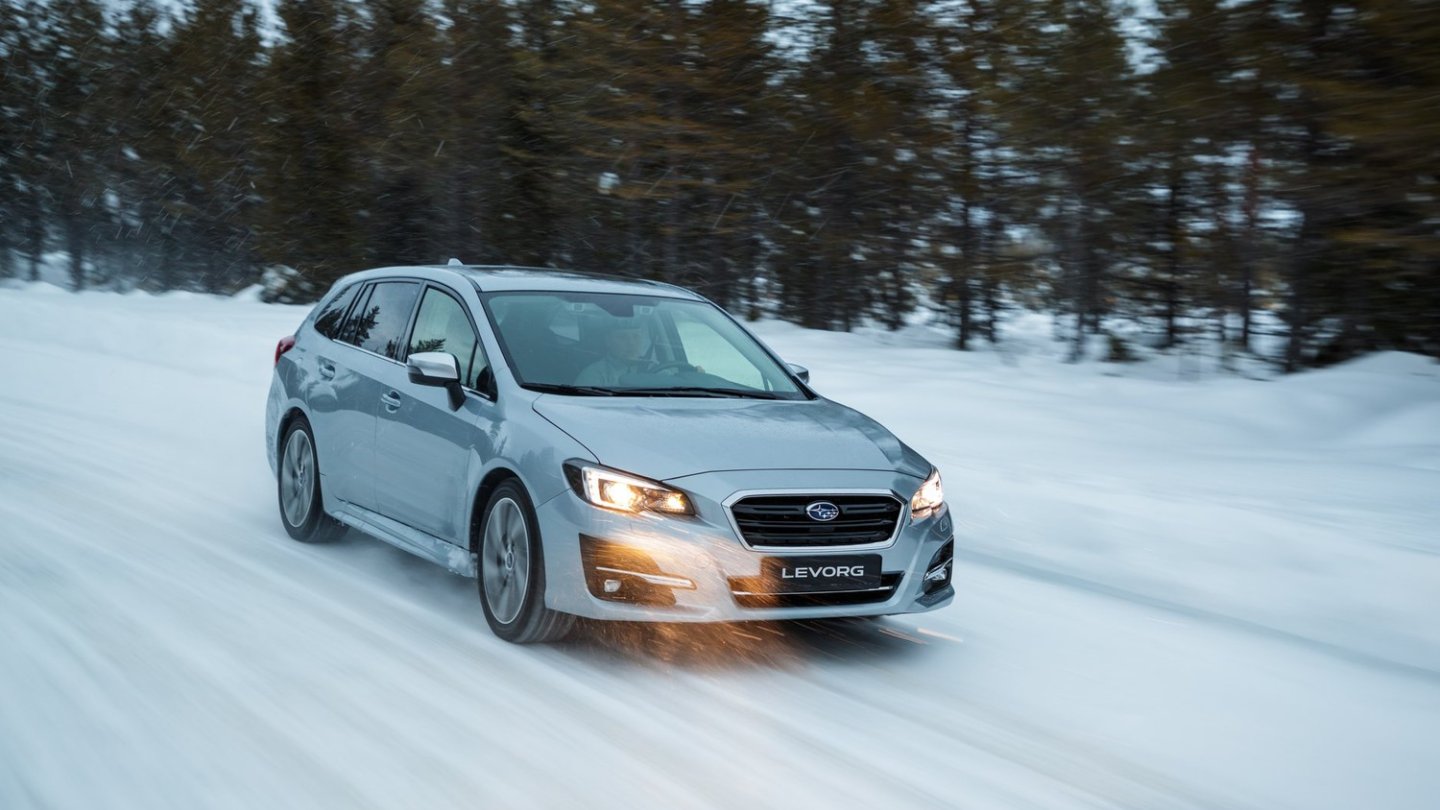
398,111
471,172
12,106
625,116
529,221
1070,118
729,98
1381,274
858,197
654,156
973,60
209,113
1201,157
137,152
27,76
309,143
71,130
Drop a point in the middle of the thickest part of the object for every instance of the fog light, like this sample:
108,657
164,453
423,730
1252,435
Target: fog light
619,573
940,569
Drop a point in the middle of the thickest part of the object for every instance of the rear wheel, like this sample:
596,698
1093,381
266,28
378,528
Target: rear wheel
301,508
512,571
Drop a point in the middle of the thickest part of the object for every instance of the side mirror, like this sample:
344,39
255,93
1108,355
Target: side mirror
438,369
799,371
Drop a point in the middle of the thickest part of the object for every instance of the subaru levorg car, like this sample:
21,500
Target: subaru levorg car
597,447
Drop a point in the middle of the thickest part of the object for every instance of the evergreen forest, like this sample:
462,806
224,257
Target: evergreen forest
1207,169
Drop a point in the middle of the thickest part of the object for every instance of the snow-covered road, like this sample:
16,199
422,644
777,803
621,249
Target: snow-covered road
1173,593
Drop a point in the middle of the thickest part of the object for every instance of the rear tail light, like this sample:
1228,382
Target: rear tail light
286,344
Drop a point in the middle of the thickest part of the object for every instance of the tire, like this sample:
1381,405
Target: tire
302,510
511,571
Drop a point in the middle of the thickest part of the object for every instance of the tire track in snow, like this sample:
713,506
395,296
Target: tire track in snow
354,672
232,560
1065,580
68,451
333,610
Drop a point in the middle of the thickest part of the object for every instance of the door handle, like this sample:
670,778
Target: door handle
392,401
327,369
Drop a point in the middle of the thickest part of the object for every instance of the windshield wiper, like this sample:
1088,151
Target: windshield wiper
576,390
698,390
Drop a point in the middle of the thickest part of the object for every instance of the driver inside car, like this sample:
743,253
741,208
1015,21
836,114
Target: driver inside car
624,343
624,349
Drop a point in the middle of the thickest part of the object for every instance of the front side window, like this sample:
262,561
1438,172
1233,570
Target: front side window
442,326
602,343
378,324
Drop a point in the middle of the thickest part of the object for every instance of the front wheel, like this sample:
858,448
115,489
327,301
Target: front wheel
512,571
301,508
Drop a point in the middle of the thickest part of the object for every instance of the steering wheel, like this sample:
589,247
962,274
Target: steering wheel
673,367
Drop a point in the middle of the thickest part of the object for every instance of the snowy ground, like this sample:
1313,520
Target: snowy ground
1176,589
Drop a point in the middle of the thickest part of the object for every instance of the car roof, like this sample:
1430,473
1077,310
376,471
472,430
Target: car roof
509,278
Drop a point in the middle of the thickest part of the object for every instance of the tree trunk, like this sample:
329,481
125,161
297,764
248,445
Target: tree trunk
991,297
1088,305
167,261
966,307
7,257
1075,272
990,282
1310,203
1298,317
1172,306
35,237
1172,258
961,280
1250,251
75,244
964,275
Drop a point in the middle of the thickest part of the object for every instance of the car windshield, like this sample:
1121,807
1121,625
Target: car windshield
600,344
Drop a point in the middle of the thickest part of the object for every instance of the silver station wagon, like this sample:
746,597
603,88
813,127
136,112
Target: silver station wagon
597,447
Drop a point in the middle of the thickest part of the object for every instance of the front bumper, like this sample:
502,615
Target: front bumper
705,550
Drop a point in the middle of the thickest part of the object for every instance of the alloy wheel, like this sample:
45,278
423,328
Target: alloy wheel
505,561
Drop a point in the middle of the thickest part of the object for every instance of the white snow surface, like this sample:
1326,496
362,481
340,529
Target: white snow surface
1175,590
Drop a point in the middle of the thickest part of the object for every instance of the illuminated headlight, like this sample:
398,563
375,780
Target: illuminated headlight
625,493
928,498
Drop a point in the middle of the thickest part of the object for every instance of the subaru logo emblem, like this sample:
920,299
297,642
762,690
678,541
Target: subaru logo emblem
822,510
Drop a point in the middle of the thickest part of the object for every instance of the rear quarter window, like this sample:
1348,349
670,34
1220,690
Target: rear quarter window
332,314
380,323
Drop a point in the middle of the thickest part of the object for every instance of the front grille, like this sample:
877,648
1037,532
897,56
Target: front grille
780,521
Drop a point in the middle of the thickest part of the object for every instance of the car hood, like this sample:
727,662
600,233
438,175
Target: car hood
670,437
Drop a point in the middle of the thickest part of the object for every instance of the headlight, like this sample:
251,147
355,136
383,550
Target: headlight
625,493
928,498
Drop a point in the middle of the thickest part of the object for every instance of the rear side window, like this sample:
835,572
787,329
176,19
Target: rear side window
442,326
332,316
378,325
